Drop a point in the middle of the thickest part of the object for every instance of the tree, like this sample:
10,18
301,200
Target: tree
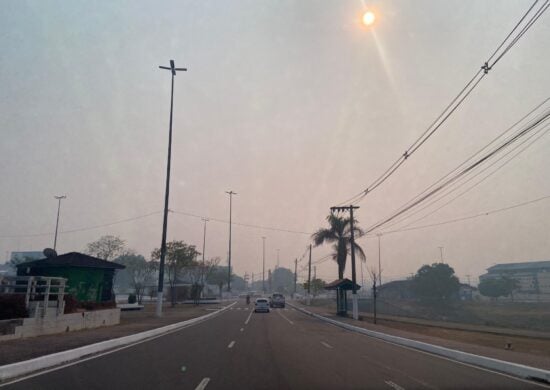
140,271
218,277
498,287
199,274
316,286
435,281
339,234
282,280
106,247
178,256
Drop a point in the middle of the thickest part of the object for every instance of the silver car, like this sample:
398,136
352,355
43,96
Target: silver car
261,304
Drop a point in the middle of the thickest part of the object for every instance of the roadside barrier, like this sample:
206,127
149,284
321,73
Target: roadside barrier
13,370
514,369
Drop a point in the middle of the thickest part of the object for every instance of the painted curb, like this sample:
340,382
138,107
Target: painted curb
514,369
10,371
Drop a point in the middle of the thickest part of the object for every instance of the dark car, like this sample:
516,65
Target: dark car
277,300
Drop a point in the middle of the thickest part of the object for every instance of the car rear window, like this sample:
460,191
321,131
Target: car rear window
278,296
262,300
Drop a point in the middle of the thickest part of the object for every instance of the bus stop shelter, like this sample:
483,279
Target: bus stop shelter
342,286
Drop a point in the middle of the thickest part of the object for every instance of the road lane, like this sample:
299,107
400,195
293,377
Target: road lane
283,349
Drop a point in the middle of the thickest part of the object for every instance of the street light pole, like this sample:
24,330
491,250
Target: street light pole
173,70
231,193
379,262
263,264
58,197
203,254
204,240
441,253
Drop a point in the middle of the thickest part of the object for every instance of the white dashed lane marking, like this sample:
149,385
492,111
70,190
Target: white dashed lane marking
203,384
248,319
282,315
326,345
231,344
394,385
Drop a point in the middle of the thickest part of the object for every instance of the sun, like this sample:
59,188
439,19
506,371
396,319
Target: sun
368,18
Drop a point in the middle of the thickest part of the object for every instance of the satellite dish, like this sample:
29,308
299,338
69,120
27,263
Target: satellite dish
49,253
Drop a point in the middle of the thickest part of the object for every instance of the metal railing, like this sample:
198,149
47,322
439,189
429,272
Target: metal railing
41,293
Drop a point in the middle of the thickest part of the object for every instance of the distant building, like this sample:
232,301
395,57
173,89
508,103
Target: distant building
533,278
395,290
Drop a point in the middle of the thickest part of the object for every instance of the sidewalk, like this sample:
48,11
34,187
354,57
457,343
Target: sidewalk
130,322
529,351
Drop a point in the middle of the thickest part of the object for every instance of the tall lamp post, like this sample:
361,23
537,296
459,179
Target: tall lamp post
172,68
58,197
263,264
230,193
203,253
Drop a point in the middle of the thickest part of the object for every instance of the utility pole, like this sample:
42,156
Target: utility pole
203,255
173,70
263,264
295,274
269,279
204,240
468,277
231,193
441,252
350,208
58,197
314,272
309,278
379,261
278,250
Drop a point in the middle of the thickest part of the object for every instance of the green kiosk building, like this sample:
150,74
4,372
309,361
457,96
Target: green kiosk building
89,279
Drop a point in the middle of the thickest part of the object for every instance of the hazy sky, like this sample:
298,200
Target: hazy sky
292,104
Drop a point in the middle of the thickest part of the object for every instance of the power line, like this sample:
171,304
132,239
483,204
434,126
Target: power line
454,104
241,224
85,228
478,152
465,171
544,131
482,214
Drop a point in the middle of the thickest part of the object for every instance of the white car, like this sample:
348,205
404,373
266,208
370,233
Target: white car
261,304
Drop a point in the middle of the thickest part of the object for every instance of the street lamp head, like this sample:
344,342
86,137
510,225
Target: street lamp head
60,196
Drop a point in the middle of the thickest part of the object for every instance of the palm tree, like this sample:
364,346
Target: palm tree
339,234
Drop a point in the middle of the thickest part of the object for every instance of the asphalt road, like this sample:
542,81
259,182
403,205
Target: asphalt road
283,349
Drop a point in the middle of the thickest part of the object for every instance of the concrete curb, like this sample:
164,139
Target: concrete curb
514,369
10,371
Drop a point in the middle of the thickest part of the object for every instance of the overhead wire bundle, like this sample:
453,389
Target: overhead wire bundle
536,126
521,27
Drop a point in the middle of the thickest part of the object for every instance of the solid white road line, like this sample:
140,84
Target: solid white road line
282,315
394,385
248,319
203,384
231,344
326,345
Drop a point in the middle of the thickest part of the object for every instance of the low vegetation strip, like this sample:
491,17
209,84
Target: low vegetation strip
14,370
518,370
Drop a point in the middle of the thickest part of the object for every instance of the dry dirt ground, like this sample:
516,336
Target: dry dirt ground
130,322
